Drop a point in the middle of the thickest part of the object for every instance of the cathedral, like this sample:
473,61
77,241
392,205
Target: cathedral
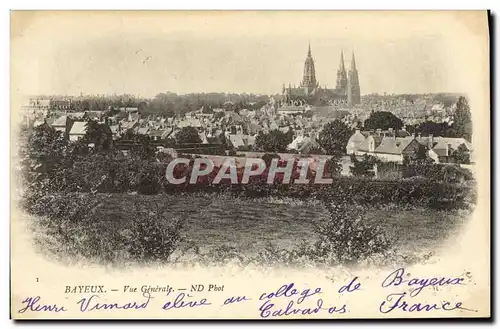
310,92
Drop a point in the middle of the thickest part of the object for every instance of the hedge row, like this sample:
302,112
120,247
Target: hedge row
356,190
106,173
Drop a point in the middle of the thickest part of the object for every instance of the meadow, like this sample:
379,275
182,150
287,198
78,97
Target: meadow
217,228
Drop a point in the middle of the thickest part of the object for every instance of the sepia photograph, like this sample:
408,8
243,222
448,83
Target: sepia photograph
204,164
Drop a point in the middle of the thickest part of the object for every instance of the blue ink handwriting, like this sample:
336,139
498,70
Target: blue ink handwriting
180,303
238,299
268,309
401,304
350,287
396,279
91,304
32,305
287,290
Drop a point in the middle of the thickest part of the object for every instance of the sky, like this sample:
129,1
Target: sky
145,53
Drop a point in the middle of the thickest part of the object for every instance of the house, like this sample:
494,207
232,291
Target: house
386,149
359,137
309,145
297,142
159,134
78,130
355,141
441,149
60,124
195,123
115,130
249,140
129,125
236,140
203,138
142,130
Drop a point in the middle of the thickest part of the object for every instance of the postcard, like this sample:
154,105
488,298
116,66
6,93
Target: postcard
250,165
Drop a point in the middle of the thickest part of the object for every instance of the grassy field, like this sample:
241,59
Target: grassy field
250,224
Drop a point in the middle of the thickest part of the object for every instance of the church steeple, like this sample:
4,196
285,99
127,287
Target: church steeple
353,63
341,75
353,90
309,78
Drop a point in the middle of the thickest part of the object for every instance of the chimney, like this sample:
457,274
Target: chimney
448,149
431,141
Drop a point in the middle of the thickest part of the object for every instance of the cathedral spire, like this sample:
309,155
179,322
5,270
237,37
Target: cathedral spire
353,90
342,67
309,77
353,62
341,76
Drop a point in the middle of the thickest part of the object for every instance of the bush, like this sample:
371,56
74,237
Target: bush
73,225
151,236
437,172
363,168
333,167
347,238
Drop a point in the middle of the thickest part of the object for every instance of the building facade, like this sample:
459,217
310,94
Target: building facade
309,91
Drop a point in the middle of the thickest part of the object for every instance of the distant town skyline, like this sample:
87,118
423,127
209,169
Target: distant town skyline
235,52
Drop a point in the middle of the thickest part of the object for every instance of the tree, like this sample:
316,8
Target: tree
45,150
42,158
364,167
142,107
188,135
274,141
462,126
433,128
383,120
289,136
142,146
334,137
99,134
462,155
333,166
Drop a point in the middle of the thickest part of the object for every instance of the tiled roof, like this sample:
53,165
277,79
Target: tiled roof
189,123
78,128
391,145
236,140
364,146
143,130
440,152
61,121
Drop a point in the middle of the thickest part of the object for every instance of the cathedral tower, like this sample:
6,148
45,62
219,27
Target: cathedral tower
309,79
341,76
353,90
